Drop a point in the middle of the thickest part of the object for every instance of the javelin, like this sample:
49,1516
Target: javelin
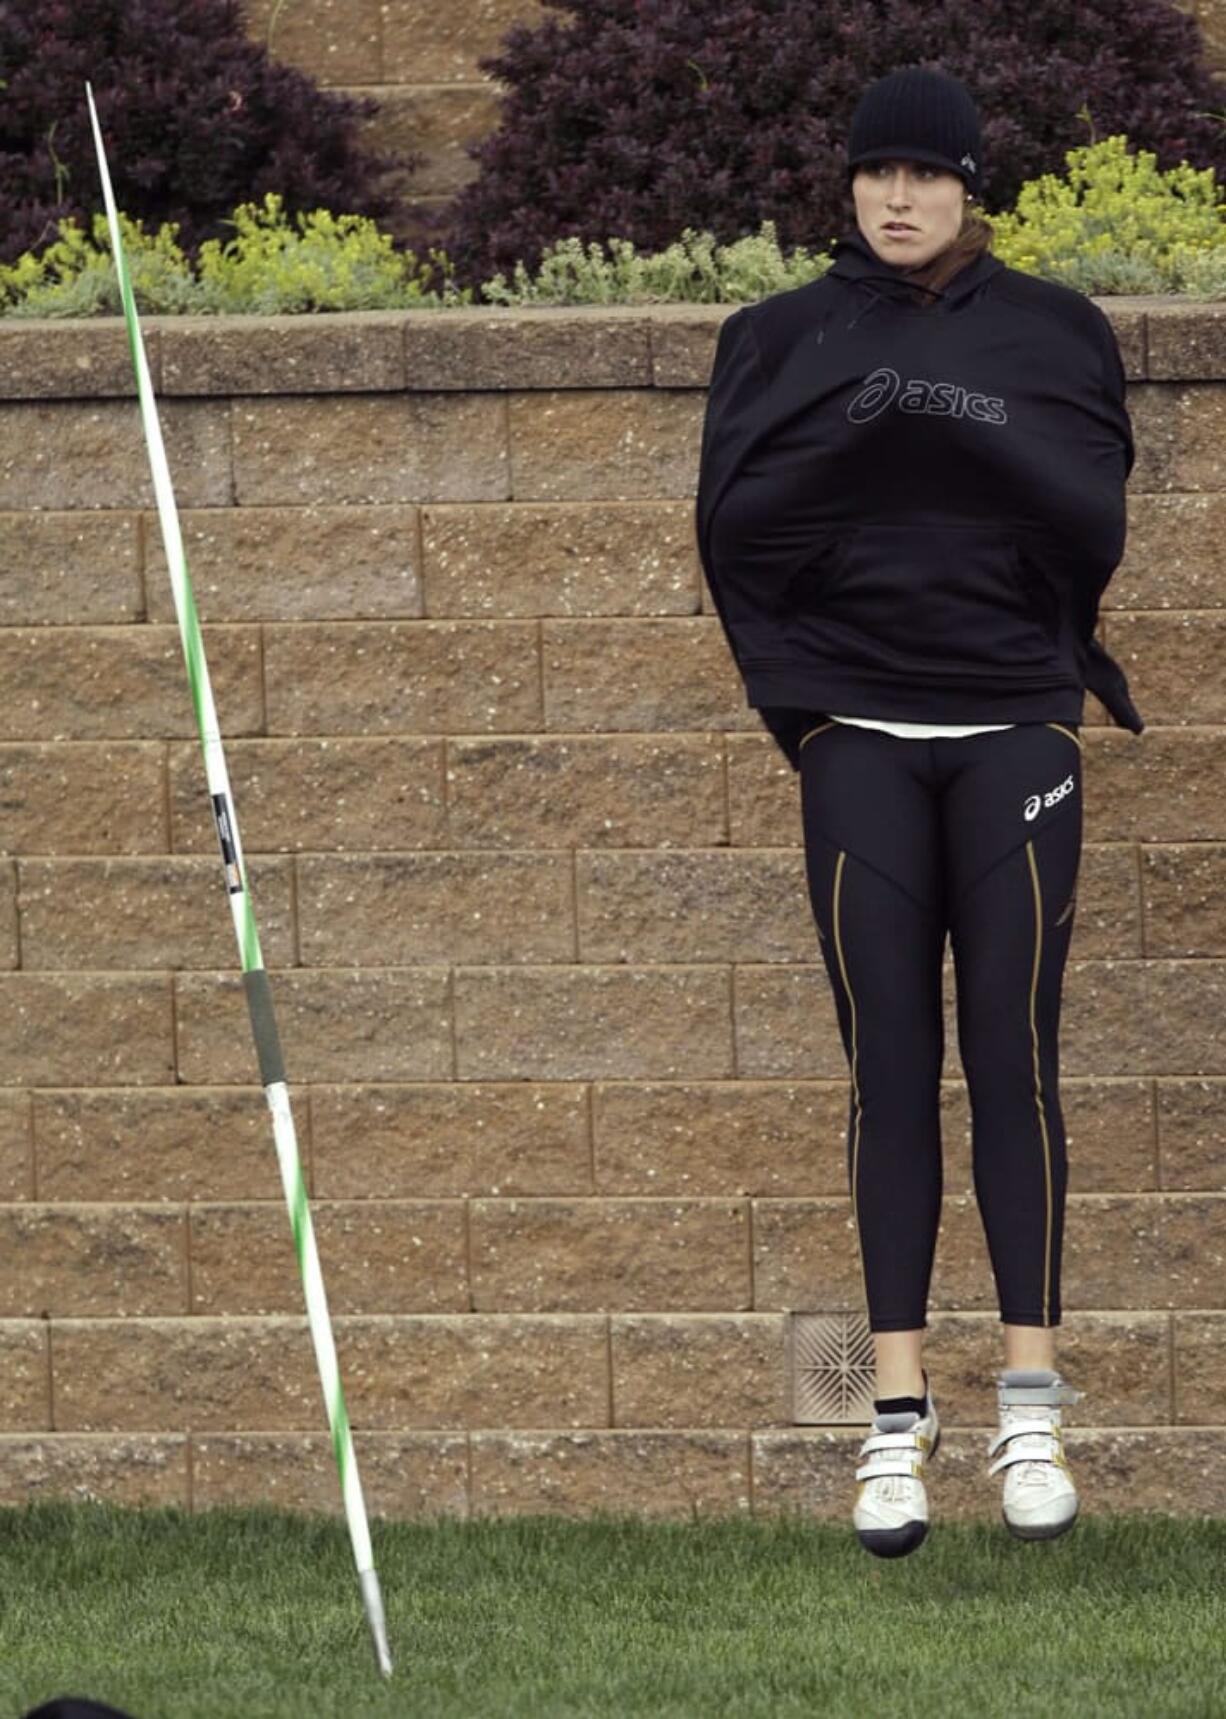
255,979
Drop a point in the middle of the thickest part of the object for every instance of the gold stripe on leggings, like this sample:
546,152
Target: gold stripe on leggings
1075,738
855,1085
821,729
1038,1085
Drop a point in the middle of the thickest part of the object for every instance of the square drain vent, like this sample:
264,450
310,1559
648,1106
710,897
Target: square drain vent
833,1369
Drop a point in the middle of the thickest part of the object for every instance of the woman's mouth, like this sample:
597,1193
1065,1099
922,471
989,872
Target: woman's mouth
899,227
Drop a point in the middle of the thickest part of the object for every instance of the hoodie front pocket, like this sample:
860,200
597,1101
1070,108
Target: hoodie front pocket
954,596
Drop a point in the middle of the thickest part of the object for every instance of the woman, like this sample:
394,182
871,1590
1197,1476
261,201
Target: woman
911,499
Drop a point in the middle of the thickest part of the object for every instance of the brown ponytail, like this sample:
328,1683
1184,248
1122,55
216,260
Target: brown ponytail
973,239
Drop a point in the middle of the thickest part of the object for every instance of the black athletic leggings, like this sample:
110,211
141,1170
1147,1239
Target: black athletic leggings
905,840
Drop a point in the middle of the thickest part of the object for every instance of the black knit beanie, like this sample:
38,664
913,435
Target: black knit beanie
918,115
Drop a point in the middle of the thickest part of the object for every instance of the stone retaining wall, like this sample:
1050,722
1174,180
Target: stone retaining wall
528,874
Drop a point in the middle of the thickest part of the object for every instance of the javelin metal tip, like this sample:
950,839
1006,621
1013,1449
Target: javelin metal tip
372,1601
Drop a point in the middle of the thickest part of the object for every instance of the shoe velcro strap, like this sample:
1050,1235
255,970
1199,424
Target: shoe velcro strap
1036,1447
888,1465
890,1441
1047,1395
1017,1429
1051,1454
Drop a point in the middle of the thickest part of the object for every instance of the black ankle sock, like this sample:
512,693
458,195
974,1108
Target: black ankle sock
903,1405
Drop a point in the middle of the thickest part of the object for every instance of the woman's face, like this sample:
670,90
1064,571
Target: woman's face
926,202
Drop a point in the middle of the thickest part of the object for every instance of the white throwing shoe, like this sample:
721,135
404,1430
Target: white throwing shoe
1040,1499
891,1509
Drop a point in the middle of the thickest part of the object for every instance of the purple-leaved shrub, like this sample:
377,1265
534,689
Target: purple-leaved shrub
638,118
196,118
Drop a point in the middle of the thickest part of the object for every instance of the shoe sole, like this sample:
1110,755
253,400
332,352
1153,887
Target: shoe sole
1021,1531
897,1542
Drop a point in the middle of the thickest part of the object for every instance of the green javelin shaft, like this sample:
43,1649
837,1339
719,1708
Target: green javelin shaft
255,979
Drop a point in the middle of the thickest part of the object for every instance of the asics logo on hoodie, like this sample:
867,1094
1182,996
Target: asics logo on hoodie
885,387
1035,804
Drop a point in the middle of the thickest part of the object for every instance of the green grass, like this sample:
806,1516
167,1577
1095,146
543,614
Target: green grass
256,1614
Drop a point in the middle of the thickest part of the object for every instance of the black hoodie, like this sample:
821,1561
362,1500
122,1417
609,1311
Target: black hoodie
909,506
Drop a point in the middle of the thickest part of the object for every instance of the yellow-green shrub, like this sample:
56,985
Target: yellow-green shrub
75,275
1116,224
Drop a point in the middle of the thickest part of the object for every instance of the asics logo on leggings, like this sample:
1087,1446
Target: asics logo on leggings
885,387
1035,804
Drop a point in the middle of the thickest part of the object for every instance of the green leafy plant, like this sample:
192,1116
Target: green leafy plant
695,268
320,262
1115,223
75,275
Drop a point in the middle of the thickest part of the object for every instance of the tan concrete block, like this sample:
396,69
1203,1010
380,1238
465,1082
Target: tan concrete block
1110,1135
426,43
1187,1271
1178,433
562,1256
694,906
292,564
377,1256
417,676
474,1370
394,1141
651,1475
56,358
91,1260
1167,785
1117,1472
591,1023
763,794
564,559
1187,341
785,1024
144,913
647,675
1180,1006
429,130
342,352
16,1148
1191,1132
596,791
397,448
1198,1342
25,1376
83,798
398,910
1171,560
70,569
102,444
103,1030
174,1144
114,1375
96,683
1183,916
1172,663
516,346
1122,1362
1211,16
683,340
124,1471
334,1026
405,1476
316,794
10,947
590,445
1129,318
1107,915
334,41
709,1137
806,1256
710,1371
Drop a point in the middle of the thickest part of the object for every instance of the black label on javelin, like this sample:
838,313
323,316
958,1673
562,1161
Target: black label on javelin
225,838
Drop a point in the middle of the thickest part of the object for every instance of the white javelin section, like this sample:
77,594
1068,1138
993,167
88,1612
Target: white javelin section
176,559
